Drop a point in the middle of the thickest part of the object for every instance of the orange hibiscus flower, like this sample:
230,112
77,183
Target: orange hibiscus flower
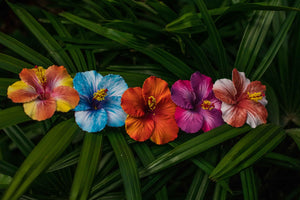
150,112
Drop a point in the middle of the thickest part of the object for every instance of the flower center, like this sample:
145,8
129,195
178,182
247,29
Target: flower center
100,94
151,103
40,73
207,105
255,96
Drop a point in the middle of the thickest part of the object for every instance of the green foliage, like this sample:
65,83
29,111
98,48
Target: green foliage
54,159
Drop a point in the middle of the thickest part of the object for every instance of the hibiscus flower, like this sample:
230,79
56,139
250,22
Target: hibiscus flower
150,112
242,101
43,91
197,107
100,99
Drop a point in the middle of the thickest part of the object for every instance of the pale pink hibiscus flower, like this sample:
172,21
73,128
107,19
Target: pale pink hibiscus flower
242,101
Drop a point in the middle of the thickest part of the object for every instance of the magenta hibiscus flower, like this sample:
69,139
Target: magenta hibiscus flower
197,107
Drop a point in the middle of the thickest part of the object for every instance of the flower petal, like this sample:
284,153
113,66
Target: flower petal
155,87
139,128
66,98
201,84
182,94
29,76
256,113
165,130
58,76
240,81
133,102
115,115
20,92
216,102
234,115
115,85
225,91
190,121
91,120
211,119
40,109
86,82
84,104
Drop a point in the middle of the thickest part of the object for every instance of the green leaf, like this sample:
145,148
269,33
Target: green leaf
282,160
12,116
199,186
193,147
24,51
253,39
170,62
48,150
16,134
295,134
4,83
76,54
54,49
87,166
249,149
249,184
221,55
4,181
12,64
127,165
275,46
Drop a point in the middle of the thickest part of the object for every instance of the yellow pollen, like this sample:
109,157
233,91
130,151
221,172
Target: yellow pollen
207,105
100,94
40,73
151,103
255,96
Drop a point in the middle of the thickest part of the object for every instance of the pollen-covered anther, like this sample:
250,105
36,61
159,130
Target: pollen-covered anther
151,103
207,105
40,73
100,94
256,96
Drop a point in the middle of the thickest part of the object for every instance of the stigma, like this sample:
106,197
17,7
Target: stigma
207,105
100,94
256,96
151,103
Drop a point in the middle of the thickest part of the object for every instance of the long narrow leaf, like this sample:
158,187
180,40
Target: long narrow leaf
249,184
87,166
54,49
12,116
127,165
47,151
170,62
12,64
4,83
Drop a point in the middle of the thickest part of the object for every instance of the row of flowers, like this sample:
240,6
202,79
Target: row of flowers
153,111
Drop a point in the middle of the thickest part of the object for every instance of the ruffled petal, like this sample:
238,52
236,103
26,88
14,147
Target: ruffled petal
84,104
86,83
190,121
225,91
234,115
166,129
58,76
91,120
133,102
29,76
66,98
155,87
240,81
201,84
256,113
211,119
40,109
20,92
115,115
139,128
182,94
115,85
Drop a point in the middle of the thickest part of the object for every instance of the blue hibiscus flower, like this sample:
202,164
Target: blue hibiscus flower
100,99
